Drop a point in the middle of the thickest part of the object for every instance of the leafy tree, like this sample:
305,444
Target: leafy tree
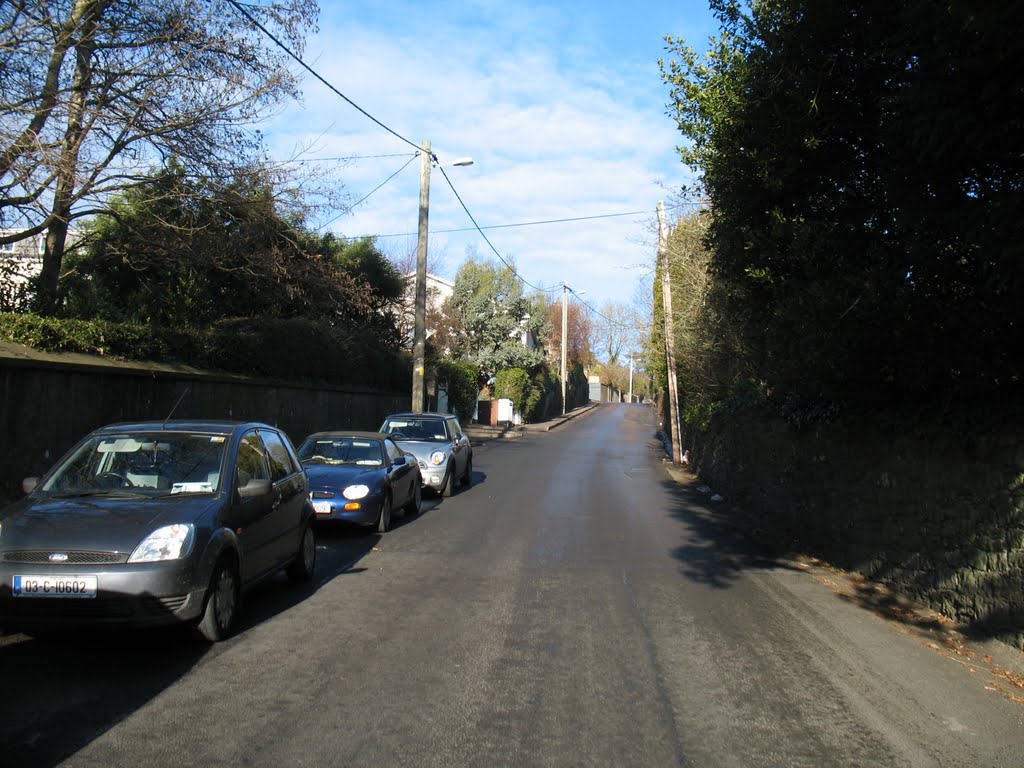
487,317
865,193
93,92
181,251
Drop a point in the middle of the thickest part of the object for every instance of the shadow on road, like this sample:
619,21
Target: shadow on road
65,688
715,551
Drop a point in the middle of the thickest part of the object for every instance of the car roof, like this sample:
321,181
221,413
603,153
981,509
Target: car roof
336,433
427,415
217,426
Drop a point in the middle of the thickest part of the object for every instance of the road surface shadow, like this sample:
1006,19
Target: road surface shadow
64,688
716,551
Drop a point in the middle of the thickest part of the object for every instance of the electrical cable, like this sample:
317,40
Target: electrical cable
526,223
364,197
489,243
238,7
476,227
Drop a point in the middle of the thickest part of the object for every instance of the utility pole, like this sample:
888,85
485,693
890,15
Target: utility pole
419,336
565,328
630,377
670,339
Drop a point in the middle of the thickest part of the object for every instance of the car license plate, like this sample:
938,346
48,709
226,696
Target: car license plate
322,507
55,586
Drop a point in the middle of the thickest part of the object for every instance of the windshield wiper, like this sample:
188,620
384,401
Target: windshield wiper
99,492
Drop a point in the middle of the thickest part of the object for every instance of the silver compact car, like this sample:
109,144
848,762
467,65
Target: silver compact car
156,523
440,446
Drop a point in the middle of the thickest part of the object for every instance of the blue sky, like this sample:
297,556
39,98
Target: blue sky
561,107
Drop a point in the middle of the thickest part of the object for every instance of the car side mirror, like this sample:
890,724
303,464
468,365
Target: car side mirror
399,461
29,484
255,487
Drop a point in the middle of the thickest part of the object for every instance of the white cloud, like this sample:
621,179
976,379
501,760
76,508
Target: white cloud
561,120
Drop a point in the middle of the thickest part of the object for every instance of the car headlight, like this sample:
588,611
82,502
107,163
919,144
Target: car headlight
438,457
172,542
353,492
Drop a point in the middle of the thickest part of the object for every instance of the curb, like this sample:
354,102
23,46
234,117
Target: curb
512,432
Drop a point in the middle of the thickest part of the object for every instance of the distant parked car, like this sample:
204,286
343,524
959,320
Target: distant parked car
156,523
439,444
360,477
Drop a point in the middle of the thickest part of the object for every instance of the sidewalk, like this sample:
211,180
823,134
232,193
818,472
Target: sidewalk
481,433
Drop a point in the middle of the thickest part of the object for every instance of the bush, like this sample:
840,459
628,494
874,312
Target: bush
514,384
460,380
290,350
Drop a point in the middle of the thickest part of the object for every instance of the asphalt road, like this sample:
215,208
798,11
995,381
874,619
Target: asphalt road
575,607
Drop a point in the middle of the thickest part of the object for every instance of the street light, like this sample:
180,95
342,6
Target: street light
419,337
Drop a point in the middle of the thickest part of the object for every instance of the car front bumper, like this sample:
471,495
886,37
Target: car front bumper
334,510
138,594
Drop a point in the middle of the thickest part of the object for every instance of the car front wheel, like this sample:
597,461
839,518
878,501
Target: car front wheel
384,521
222,599
449,482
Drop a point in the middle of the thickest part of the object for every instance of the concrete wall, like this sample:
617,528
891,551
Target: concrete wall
934,511
46,407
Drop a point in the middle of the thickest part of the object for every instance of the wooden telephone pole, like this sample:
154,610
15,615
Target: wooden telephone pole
670,339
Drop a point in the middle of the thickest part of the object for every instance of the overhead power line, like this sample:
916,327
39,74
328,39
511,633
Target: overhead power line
252,20
238,7
367,195
524,223
486,240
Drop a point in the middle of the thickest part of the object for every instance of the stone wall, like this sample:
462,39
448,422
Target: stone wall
934,511
46,407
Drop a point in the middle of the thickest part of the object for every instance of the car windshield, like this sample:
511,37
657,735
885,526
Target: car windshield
142,463
341,450
415,429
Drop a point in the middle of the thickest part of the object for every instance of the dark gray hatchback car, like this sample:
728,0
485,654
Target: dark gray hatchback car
156,523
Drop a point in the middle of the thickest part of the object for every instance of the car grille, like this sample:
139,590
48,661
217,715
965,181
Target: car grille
74,558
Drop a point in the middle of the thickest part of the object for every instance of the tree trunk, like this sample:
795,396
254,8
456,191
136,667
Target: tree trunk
63,196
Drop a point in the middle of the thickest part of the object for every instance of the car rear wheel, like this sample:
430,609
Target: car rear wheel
384,521
467,478
416,500
221,609
301,568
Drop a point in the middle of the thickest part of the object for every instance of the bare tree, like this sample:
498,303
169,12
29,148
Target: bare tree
620,327
404,259
94,93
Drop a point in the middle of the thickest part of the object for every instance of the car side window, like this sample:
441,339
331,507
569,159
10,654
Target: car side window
393,451
281,464
454,428
251,462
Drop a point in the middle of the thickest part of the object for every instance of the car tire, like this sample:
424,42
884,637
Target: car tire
467,478
415,503
222,602
449,482
384,521
301,568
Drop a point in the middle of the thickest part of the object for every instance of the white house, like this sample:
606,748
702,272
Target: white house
22,259
438,291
